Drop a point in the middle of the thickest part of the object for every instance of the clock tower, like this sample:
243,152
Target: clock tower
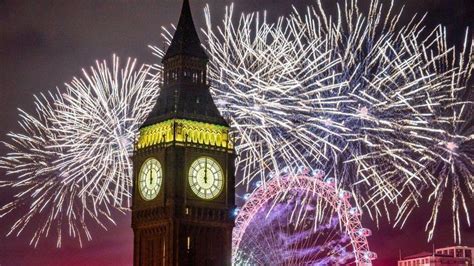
183,183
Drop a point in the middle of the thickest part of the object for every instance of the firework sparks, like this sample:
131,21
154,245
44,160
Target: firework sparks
377,108
72,160
349,94
99,122
450,168
41,189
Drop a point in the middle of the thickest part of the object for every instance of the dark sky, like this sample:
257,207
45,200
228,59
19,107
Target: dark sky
45,43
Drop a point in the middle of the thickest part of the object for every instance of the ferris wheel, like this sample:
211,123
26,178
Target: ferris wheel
300,220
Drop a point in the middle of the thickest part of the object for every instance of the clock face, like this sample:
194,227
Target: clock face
150,179
206,178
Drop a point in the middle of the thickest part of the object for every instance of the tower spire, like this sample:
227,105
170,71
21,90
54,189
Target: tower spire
185,40
185,91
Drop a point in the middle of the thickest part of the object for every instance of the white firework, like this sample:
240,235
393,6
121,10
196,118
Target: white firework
72,162
99,122
44,199
357,95
450,168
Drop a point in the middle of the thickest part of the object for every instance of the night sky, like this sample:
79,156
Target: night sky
45,43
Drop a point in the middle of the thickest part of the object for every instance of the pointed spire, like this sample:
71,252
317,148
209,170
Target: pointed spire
185,93
185,40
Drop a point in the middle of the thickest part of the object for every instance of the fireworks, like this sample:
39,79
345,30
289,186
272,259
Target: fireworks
72,160
358,95
450,169
41,190
99,122
300,220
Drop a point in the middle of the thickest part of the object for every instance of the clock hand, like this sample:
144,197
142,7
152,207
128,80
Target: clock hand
151,178
205,171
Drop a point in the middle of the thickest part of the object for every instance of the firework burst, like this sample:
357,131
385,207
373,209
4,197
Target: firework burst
42,192
72,159
358,95
450,168
99,122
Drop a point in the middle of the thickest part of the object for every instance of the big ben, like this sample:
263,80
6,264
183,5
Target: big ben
183,193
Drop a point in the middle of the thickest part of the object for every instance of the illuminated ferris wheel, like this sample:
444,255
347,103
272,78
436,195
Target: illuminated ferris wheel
299,220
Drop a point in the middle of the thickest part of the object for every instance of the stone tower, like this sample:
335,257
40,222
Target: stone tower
183,184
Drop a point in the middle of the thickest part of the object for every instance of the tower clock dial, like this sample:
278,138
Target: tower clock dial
206,178
150,179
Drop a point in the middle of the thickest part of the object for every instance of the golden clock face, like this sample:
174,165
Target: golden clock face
150,179
206,178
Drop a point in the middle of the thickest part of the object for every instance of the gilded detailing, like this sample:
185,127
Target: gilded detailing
156,134
185,131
